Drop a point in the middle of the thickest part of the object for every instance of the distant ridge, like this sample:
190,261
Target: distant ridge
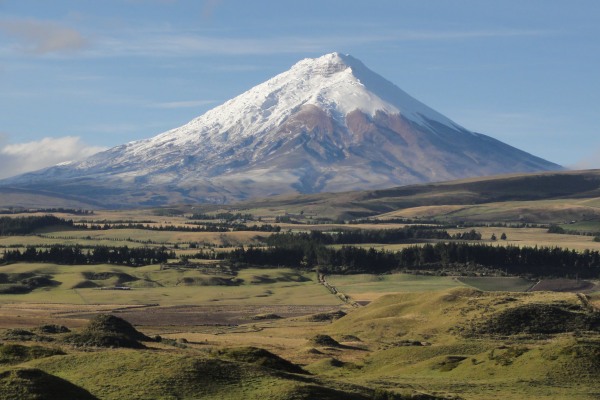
531,188
328,124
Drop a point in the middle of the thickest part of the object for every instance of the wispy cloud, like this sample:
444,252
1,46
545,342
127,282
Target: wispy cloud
158,44
42,37
19,158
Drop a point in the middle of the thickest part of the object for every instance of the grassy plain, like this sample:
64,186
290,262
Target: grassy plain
410,335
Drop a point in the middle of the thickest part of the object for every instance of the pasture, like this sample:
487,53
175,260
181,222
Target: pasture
412,334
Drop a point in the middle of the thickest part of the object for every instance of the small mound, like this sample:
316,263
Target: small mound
36,384
53,329
324,317
16,353
539,319
312,350
325,340
261,317
105,330
107,323
258,356
23,335
85,285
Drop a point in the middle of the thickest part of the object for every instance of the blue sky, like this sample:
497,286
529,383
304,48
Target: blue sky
80,75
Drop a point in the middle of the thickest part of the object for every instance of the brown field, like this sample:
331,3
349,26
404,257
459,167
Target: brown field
188,316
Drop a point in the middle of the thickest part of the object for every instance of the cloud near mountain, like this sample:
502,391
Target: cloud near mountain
18,158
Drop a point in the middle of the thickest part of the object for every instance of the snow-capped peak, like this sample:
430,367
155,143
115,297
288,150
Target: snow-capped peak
335,83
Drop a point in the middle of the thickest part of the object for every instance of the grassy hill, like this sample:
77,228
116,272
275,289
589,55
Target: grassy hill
481,345
567,189
452,343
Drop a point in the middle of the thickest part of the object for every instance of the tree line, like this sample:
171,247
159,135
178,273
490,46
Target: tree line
227,216
533,261
77,255
26,225
357,236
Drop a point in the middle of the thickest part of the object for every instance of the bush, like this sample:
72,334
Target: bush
556,229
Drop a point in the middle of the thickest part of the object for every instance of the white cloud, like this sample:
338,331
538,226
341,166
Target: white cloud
19,158
43,37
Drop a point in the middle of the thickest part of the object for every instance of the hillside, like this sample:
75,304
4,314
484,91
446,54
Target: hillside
542,197
458,343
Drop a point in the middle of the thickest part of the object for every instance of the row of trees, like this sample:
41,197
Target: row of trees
75,255
226,216
74,211
543,261
26,225
384,236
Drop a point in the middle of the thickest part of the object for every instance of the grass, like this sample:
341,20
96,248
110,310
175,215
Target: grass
483,368
169,287
364,287
414,337
161,375
583,226
409,341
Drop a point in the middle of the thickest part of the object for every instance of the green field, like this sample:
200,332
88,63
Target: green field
368,287
151,285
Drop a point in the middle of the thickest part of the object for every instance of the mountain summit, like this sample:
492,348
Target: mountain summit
326,124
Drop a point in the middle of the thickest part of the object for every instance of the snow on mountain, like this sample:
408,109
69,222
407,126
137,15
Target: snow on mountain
327,124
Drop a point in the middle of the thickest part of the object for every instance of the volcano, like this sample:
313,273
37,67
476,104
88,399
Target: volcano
327,124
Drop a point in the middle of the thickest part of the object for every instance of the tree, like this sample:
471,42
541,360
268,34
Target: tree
493,237
503,236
